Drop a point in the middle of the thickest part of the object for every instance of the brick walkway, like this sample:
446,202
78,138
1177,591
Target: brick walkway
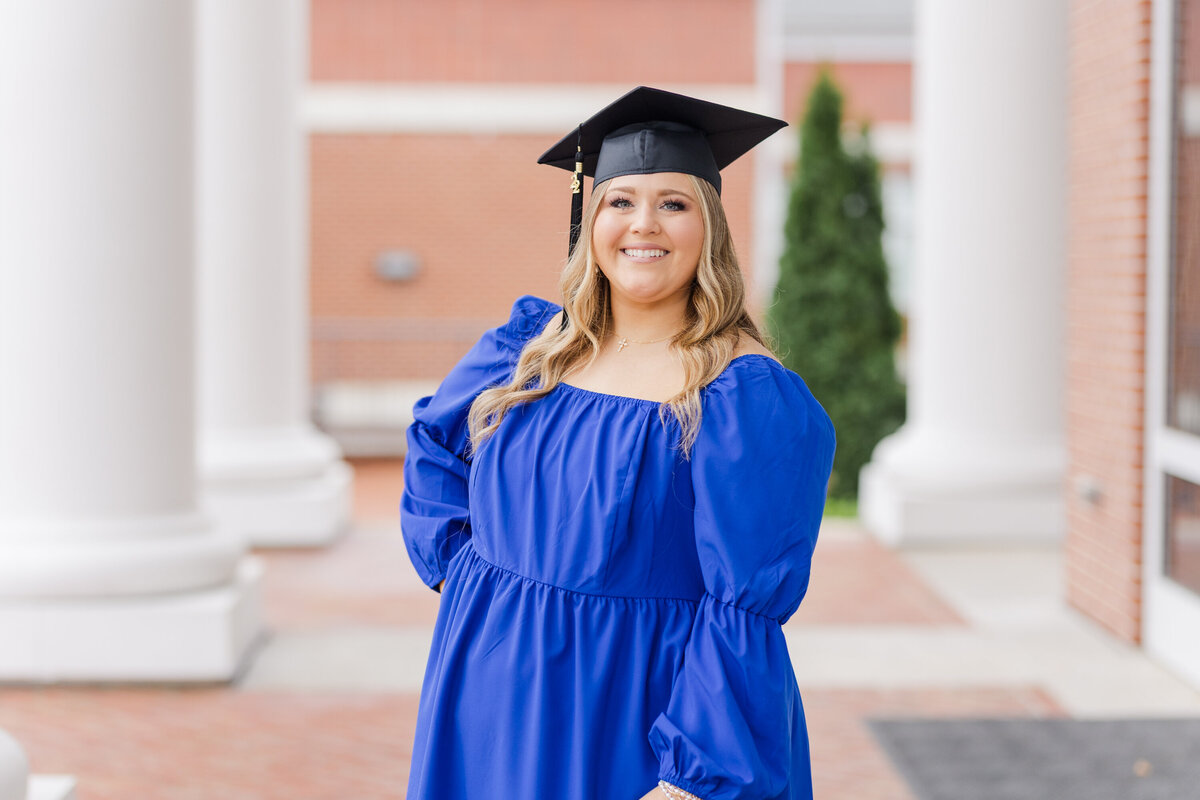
327,708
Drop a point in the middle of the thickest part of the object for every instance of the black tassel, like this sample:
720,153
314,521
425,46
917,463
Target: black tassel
576,207
576,197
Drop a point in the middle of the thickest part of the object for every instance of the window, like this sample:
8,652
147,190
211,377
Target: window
1182,551
1183,363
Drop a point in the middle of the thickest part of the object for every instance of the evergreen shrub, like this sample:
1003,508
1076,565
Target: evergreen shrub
832,315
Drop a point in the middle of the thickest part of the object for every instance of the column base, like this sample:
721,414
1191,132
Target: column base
368,419
149,555
297,512
923,489
285,488
14,768
51,787
201,636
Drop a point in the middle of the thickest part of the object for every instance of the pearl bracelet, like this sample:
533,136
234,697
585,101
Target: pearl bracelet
675,793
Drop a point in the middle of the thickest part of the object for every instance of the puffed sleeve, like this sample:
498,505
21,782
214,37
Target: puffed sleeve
434,515
734,726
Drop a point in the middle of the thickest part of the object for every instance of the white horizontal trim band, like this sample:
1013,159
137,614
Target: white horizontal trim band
1179,454
892,142
480,108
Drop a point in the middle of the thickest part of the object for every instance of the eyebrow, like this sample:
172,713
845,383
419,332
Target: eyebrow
661,193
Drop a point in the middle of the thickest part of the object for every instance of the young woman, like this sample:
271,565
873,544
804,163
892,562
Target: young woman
618,499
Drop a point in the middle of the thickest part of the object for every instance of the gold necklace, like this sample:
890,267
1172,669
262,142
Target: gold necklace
623,341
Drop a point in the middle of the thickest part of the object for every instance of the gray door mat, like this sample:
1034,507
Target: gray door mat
1045,759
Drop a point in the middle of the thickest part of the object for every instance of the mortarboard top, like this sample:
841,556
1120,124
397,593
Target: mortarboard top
650,130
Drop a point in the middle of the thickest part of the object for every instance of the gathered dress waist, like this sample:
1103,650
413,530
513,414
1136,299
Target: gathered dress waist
469,559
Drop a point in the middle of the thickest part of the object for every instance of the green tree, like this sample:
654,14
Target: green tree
832,315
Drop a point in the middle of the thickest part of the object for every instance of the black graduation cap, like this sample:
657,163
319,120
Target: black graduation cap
650,130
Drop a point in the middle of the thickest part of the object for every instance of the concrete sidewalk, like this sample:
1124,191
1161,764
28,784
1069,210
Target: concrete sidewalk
1016,630
327,708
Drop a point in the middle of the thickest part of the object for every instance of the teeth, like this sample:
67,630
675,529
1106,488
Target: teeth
644,253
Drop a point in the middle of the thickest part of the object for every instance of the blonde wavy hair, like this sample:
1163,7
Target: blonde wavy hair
715,316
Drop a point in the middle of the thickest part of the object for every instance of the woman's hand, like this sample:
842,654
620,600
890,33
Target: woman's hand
441,583
654,794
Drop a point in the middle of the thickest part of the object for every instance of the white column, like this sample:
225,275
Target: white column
982,453
107,570
267,472
770,183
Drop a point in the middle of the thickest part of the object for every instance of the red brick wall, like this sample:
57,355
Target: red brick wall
534,41
1109,110
876,92
486,222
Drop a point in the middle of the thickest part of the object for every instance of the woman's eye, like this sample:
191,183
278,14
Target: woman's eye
620,202
674,205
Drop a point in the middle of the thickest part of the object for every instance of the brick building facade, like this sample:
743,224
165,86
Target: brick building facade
465,198
1132,371
399,167
1106,273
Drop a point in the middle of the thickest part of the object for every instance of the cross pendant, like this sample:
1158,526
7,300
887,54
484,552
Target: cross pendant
621,344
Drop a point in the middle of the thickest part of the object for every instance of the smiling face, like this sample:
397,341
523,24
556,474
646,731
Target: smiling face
647,237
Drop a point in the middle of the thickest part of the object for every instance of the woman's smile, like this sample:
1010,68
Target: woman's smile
644,253
636,252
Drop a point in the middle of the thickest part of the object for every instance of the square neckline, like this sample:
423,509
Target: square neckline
644,401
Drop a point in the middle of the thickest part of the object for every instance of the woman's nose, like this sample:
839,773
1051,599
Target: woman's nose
645,220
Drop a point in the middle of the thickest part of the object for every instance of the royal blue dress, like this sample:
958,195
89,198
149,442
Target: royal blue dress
611,613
